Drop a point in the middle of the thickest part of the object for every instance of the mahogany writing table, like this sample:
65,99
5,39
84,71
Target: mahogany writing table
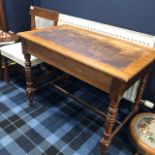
109,64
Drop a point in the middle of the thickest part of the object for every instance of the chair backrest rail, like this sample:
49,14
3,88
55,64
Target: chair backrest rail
44,14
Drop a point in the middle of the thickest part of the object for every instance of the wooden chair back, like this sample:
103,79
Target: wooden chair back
43,13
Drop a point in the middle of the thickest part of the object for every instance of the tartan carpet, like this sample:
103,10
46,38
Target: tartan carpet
56,124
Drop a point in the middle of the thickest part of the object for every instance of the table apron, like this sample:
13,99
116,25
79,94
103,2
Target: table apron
81,71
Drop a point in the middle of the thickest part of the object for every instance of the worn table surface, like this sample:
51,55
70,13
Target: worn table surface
118,58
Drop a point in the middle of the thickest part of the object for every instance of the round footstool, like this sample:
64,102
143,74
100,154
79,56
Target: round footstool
142,129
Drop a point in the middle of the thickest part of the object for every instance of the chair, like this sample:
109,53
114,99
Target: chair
39,18
6,39
142,131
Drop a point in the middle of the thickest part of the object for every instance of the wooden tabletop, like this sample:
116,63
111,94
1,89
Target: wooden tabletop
113,56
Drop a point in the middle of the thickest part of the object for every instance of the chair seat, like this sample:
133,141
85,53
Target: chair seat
142,130
6,43
14,52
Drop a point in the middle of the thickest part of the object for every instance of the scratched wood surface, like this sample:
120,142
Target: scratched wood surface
113,56
90,47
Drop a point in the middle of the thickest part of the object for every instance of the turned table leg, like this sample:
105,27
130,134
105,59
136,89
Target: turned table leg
110,121
115,96
29,82
140,92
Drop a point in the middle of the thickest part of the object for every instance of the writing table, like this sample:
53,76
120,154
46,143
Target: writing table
109,64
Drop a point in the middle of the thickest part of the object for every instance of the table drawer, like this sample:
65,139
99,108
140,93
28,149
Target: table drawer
81,71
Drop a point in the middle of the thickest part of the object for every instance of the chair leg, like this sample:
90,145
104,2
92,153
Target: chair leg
6,70
66,79
140,92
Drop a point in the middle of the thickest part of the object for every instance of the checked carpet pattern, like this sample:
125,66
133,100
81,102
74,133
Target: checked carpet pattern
55,125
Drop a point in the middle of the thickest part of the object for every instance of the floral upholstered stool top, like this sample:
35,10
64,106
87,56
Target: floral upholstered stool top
142,129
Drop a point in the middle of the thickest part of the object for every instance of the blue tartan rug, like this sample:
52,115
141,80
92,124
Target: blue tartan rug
56,124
